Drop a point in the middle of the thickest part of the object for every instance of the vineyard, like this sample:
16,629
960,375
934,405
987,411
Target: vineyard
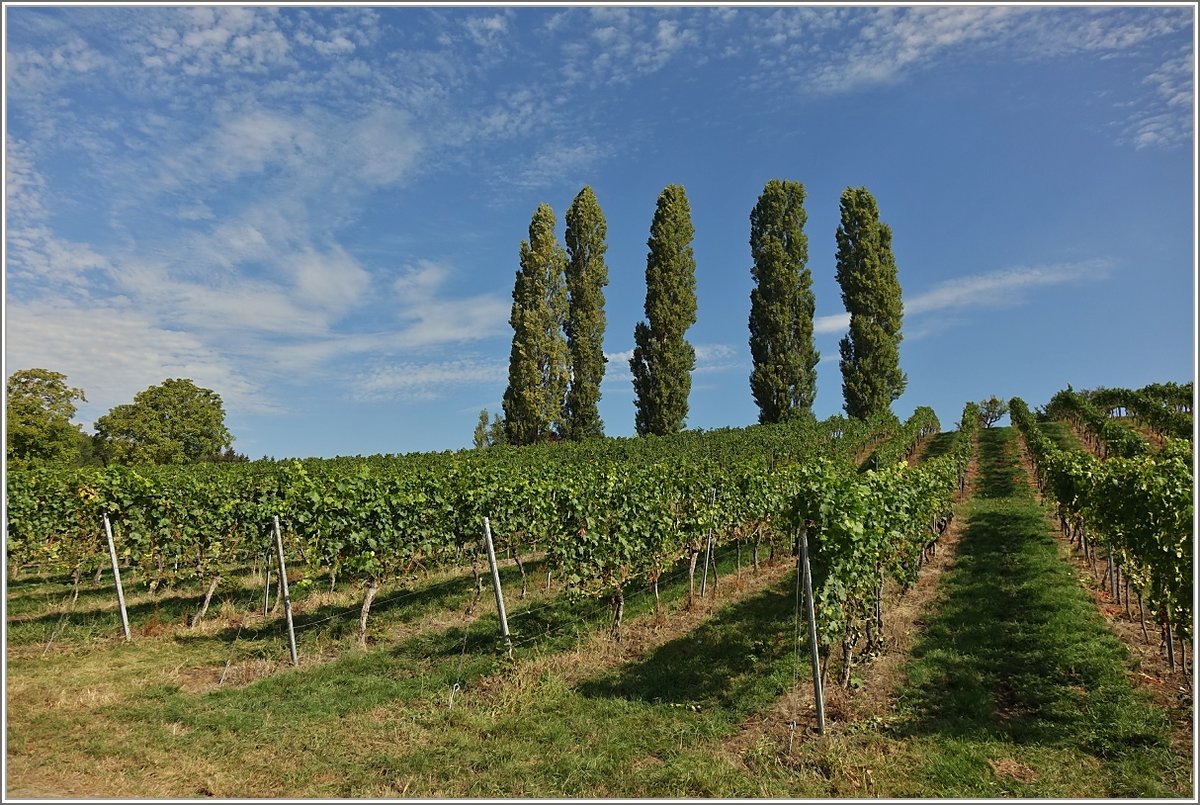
605,519
596,534
1126,499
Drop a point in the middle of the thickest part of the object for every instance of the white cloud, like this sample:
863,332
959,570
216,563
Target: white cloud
710,358
112,350
995,289
623,44
315,150
429,320
834,323
205,40
329,280
894,40
557,162
41,261
38,70
715,357
839,50
24,186
1001,288
428,381
488,31
1165,118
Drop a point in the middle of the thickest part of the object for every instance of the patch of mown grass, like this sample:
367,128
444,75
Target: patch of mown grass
939,445
1061,434
1018,662
307,731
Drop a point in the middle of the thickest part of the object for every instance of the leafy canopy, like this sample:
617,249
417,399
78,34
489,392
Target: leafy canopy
784,380
39,406
663,360
867,274
176,422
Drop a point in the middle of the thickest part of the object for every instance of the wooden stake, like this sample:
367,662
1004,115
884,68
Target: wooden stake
806,573
707,558
491,554
267,585
116,569
212,587
287,601
372,591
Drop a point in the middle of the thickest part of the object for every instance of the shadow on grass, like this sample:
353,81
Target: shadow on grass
428,666
999,464
939,445
96,610
739,660
1017,651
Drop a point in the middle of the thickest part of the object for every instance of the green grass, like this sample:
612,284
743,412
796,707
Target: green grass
1018,662
1015,688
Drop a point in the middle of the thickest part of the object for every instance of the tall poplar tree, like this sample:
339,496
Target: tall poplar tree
784,380
866,271
662,359
587,275
538,361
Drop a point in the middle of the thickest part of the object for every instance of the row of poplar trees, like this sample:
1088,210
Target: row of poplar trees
557,361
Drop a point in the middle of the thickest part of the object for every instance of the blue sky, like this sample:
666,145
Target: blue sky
316,212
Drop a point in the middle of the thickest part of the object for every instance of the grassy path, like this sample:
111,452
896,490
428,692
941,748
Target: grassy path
1018,676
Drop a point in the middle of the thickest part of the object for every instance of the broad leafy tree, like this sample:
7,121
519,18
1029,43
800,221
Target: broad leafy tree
866,272
538,364
587,276
175,422
39,406
784,380
662,359
992,411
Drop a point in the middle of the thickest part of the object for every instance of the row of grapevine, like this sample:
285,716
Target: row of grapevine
1139,508
606,515
902,446
1157,406
876,526
1108,436
368,518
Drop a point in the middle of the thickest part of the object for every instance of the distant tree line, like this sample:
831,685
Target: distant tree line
557,363
175,422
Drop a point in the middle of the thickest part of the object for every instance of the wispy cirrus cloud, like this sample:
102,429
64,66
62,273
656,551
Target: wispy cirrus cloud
115,348
995,289
621,43
710,359
838,51
561,161
1165,118
892,42
428,381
